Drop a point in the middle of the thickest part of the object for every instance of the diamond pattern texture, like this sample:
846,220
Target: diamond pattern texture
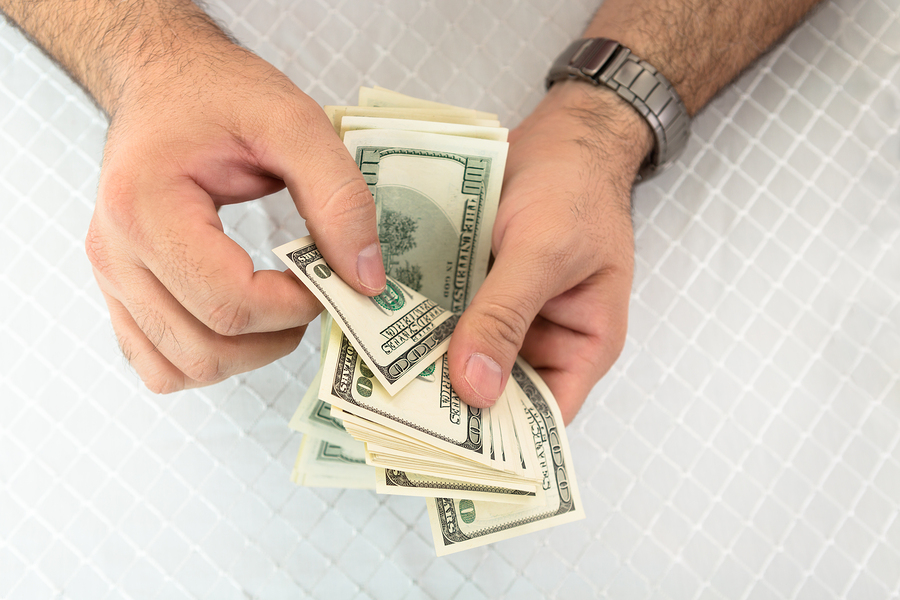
746,444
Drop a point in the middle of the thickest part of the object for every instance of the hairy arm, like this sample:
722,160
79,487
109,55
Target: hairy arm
699,45
110,47
563,242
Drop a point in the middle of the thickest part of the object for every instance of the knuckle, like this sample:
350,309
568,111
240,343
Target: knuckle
205,369
614,342
351,202
503,325
150,322
97,248
126,348
298,109
194,359
159,383
115,199
296,117
607,333
229,317
151,369
561,249
113,220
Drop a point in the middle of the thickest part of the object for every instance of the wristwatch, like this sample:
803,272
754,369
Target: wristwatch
606,62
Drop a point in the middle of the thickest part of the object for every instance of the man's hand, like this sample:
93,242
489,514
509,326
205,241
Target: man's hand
563,244
197,122
563,240
185,302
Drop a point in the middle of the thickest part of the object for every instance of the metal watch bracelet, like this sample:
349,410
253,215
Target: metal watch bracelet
606,62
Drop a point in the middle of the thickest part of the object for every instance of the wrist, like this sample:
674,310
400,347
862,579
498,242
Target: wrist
603,123
160,55
607,63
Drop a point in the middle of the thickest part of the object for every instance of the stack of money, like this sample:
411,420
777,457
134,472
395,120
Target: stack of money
381,413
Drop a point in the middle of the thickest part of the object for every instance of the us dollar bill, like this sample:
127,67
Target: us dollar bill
498,134
462,523
460,116
313,416
405,483
321,463
427,409
379,96
400,331
436,199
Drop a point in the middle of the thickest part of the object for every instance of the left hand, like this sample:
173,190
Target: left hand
189,134
559,288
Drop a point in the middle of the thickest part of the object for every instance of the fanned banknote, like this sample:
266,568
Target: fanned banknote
321,463
404,483
399,332
313,416
436,198
428,410
459,524
497,134
379,96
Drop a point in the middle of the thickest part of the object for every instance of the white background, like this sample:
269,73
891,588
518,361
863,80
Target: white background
745,445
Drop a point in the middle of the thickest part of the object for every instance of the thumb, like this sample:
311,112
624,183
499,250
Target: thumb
331,194
491,330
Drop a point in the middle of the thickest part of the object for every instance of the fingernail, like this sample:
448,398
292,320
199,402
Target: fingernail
370,269
484,375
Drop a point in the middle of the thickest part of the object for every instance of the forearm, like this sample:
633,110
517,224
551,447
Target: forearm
699,45
111,47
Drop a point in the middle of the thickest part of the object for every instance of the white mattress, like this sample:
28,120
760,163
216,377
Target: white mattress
744,446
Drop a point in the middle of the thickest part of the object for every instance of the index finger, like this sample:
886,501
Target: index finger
331,194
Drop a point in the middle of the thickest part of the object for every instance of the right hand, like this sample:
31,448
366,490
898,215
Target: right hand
558,291
214,129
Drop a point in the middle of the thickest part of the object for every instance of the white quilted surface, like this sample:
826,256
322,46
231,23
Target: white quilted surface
745,445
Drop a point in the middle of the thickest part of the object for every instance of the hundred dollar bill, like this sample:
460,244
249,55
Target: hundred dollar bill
429,411
403,483
400,332
321,463
388,450
313,417
497,134
458,524
436,199
379,96
337,113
